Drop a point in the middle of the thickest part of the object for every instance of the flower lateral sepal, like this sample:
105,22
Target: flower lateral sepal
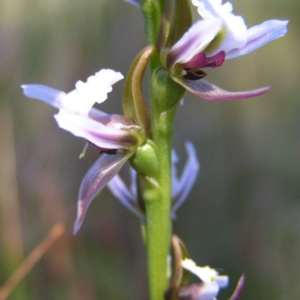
173,25
134,104
97,177
180,277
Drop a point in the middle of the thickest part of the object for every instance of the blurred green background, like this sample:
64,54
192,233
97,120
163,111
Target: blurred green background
242,216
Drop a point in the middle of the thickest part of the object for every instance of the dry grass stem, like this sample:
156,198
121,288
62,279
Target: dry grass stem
37,253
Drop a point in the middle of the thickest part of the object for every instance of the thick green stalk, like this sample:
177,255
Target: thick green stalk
158,203
165,96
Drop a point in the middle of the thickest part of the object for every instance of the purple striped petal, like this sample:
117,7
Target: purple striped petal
209,91
195,40
259,35
98,176
239,288
187,180
44,93
96,133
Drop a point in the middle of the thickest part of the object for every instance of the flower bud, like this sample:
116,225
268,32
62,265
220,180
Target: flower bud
166,92
145,160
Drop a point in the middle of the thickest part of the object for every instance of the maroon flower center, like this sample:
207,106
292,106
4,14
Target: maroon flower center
193,67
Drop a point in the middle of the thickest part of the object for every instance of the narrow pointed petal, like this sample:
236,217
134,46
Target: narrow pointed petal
44,93
209,91
175,180
103,170
121,192
259,35
187,179
134,2
95,132
133,186
239,288
194,41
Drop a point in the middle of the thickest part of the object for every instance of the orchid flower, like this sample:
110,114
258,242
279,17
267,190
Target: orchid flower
211,283
180,187
115,136
218,36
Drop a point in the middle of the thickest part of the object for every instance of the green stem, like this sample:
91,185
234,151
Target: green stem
158,190
158,206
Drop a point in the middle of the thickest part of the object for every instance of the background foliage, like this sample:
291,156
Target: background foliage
243,215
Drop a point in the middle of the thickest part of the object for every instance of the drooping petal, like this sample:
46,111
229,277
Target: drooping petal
234,26
175,179
133,185
239,288
121,192
96,133
209,91
259,35
194,41
44,93
181,190
103,170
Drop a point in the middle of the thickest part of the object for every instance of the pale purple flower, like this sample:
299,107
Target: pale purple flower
218,36
211,282
115,136
180,186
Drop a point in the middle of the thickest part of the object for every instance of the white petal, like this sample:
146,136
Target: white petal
208,291
45,93
234,26
109,76
206,274
93,91
260,35
194,41
222,281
